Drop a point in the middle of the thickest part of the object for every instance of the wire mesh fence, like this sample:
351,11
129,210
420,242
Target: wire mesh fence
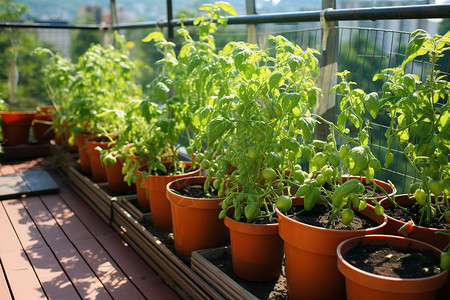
362,51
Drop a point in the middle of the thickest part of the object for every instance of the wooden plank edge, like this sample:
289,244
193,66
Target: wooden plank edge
216,277
163,263
157,248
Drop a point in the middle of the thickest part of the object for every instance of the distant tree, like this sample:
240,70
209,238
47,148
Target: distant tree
20,82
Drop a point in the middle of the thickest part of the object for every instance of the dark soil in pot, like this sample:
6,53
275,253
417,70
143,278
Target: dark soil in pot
397,263
400,215
197,191
320,215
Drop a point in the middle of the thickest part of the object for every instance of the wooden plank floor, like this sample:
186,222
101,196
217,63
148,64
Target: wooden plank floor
55,247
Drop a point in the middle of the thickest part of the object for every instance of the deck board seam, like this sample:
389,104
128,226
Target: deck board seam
71,241
24,252
104,248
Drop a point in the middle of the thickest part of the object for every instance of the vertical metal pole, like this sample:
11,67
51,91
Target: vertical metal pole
251,28
113,21
326,105
169,19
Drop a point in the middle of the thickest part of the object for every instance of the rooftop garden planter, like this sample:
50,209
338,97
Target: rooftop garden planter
16,127
43,124
195,222
93,147
310,254
364,284
159,203
406,226
83,156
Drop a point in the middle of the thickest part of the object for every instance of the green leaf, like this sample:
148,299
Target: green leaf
413,49
217,128
372,104
290,144
193,63
156,36
378,76
227,7
204,114
161,91
275,80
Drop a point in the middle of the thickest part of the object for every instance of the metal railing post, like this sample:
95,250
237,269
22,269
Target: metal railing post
170,34
251,28
329,66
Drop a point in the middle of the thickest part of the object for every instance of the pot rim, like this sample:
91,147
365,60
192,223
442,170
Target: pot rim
351,271
196,179
382,224
418,226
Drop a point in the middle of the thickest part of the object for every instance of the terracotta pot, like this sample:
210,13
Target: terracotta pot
16,127
159,204
97,169
425,234
115,178
46,109
42,130
256,250
362,285
142,195
310,256
195,220
141,191
80,143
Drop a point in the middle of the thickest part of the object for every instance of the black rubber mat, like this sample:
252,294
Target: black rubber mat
28,183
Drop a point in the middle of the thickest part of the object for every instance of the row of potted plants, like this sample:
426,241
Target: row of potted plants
248,116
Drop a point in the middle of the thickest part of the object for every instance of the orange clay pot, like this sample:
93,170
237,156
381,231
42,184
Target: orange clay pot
16,127
256,250
115,178
424,234
141,191
97,169
43,131
80,143
142,195
362,285
310,256
159,204
195,220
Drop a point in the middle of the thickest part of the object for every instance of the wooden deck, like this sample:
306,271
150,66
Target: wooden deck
54,246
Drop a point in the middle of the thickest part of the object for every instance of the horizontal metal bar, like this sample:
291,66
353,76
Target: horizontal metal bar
51,25
429,11
375,13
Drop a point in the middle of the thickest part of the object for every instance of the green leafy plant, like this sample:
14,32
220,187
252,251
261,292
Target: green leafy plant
420,126
58,75
327,163
252,127
103,83
179,88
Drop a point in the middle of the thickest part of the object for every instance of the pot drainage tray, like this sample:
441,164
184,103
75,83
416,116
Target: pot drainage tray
28,183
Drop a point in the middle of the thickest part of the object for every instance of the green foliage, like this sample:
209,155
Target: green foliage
19,85
252,123
419,114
